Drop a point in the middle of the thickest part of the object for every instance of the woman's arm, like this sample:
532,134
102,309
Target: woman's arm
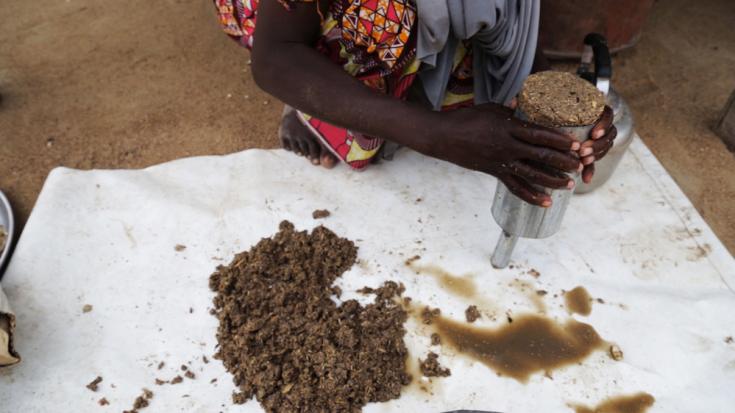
484,138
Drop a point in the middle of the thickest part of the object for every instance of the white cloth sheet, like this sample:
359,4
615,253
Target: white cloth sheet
107,238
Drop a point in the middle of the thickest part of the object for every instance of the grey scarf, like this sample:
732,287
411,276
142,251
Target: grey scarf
503,33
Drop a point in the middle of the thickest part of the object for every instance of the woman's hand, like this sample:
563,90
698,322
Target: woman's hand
487,138
602,138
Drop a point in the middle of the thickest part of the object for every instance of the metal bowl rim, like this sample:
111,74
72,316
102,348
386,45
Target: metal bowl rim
5,204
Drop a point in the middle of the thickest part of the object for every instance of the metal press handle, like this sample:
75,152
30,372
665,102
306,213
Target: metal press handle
596,49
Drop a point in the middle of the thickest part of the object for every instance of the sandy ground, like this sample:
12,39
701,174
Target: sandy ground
90,84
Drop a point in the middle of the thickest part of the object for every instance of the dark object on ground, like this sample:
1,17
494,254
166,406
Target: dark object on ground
436,339
725,128
141,402
320,213
472,313
93,385
431,367
103,402
289,345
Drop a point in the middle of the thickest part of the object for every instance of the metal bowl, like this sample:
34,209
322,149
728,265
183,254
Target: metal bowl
6,220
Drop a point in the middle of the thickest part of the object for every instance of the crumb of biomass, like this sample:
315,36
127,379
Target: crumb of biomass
472,314
430,367
428,315
87,308
320,213
94,384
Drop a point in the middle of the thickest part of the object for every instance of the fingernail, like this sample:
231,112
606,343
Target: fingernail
576,146
580,167
546,203
570,184
586,151
588,160
598,134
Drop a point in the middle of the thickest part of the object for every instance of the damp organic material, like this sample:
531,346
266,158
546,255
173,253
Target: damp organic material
472,314
430,366
462,286
528,345
289,345
557,99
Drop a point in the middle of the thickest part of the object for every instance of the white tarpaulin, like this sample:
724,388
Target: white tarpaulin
107,239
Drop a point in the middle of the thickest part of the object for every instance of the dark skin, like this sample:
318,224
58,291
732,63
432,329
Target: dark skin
485,138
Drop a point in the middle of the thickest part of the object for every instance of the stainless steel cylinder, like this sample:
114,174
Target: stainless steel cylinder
518,218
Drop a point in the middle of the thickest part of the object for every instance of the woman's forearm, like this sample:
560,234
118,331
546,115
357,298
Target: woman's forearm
288,67
301,77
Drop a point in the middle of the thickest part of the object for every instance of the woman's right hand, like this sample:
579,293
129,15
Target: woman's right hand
488,138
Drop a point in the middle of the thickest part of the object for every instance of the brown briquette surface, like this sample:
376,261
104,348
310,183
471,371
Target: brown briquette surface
289,345
556,99
472,314
430,366
3,237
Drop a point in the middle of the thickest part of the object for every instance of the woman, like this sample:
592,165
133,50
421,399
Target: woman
437,76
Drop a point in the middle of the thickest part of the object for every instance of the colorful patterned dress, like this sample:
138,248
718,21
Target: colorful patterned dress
374,41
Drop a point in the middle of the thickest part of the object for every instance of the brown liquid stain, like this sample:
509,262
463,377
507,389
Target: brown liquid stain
530,344
637,403
461,286
578,301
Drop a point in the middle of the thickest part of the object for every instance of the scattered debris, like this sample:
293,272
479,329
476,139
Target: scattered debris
205,360
87,308
616,353
430,367
435,339
412,259
160,365
428,315
103,402
176,380
190,375
542,293
93,385
320,213
729,340
533,272
160,382
472,314
179,247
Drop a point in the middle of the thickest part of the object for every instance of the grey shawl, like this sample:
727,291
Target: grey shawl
503,35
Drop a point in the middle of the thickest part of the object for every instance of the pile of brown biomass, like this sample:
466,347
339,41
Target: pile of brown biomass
288,344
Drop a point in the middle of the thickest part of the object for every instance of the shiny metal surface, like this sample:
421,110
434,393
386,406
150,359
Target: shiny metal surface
6,220
518,218
605,167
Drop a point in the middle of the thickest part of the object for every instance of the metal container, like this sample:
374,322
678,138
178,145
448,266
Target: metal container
518,218
605,167
6,220
596,50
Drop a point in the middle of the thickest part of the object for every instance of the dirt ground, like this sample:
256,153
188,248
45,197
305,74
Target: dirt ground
90,84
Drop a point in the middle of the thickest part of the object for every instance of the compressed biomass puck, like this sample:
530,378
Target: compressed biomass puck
556,99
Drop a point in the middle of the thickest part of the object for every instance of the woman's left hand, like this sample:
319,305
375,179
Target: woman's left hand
602,137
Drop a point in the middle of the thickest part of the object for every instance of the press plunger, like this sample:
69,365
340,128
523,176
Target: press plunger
564,102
